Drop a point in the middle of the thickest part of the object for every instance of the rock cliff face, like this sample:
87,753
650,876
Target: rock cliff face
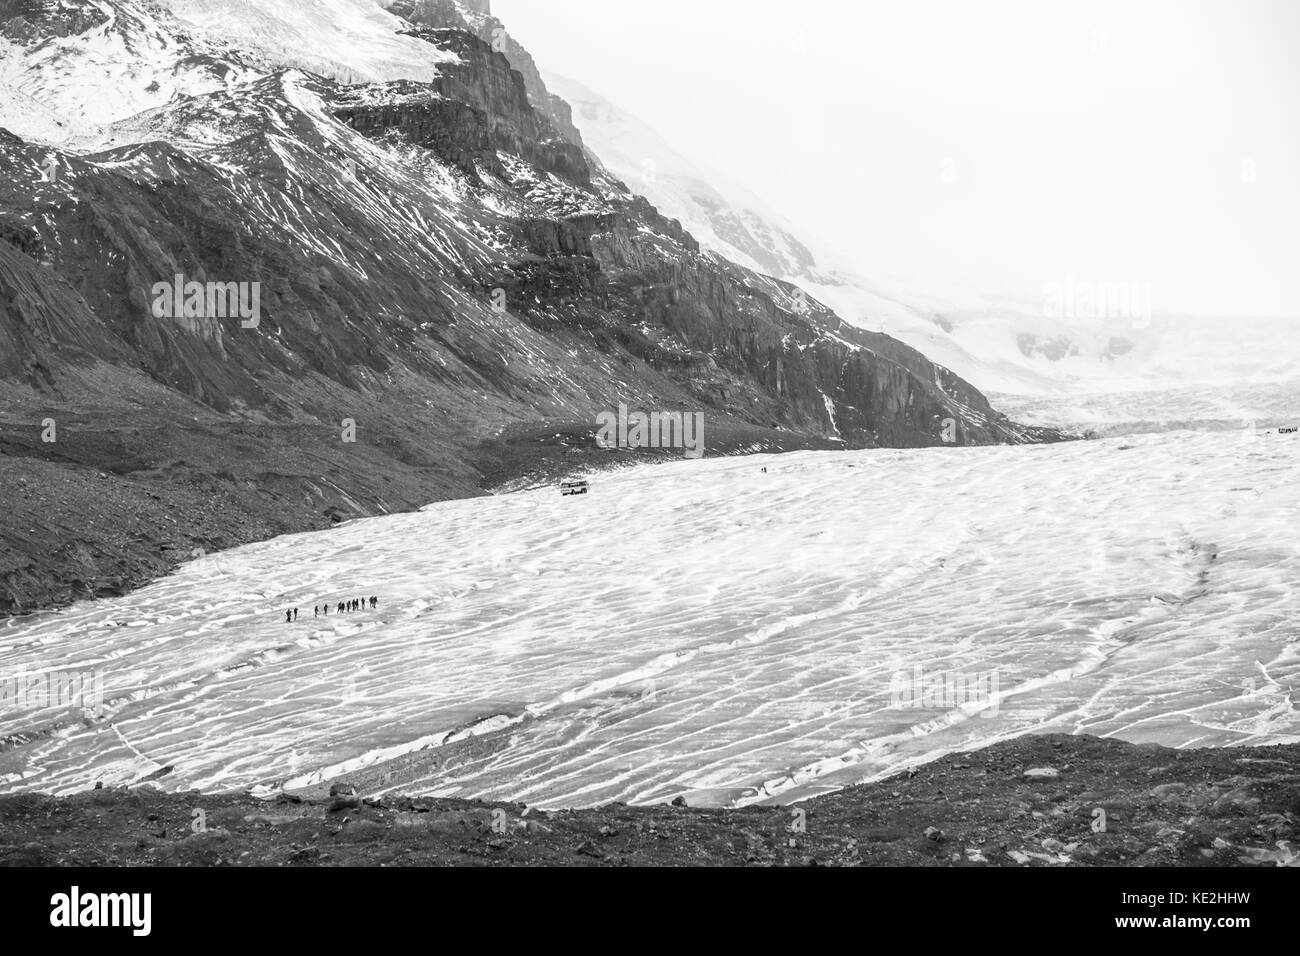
476,18
440,271
473,109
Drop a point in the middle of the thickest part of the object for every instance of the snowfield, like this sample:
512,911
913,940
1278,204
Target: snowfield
708,629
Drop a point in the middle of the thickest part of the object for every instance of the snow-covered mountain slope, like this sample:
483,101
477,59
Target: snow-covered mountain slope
352,41
126,56
122,57
663,635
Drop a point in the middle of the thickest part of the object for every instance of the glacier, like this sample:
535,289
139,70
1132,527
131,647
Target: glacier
734,630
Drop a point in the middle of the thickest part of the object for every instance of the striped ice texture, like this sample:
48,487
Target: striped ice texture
708,629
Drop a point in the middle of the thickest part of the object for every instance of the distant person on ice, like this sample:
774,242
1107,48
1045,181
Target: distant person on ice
288,617
295,614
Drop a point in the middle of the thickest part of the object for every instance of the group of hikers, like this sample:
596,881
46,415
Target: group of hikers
359,604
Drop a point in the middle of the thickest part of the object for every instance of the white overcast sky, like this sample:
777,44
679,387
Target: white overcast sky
1144,141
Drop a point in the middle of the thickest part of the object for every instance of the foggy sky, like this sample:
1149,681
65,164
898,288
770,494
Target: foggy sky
1005,143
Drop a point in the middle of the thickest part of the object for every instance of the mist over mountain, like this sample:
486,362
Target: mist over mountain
1078,335
734,223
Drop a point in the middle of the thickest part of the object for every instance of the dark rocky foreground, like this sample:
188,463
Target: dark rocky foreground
1035,801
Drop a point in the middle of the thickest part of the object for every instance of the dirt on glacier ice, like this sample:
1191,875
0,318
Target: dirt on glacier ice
1034,801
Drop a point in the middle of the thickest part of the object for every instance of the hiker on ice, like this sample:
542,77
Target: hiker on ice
288,617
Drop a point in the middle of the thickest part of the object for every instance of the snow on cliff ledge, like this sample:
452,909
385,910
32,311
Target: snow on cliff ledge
140,56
